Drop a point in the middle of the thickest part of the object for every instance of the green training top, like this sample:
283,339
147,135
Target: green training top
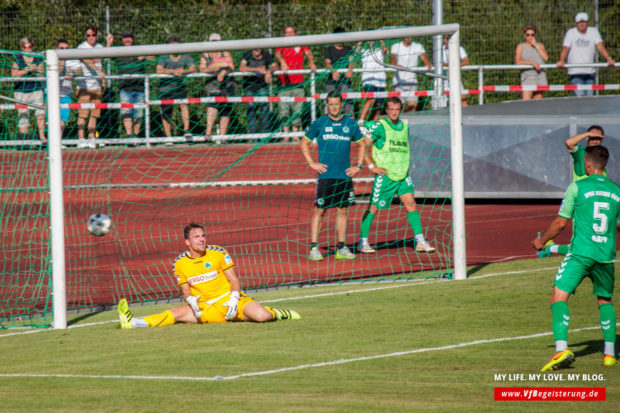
593,203
579,168
391,148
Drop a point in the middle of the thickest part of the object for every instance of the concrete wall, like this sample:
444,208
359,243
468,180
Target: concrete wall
512,149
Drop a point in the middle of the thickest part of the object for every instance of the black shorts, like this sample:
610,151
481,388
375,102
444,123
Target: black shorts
167,111
332,193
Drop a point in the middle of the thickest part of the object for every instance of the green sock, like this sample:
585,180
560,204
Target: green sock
414,222
608,322
366,223
563,249
561,318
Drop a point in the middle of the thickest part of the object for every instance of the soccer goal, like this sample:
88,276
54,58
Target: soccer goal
250,187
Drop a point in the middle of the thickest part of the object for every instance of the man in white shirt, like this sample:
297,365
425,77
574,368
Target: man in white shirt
406,54
579,46
373,80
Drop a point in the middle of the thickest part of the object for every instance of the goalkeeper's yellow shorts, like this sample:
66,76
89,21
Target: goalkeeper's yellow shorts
216,312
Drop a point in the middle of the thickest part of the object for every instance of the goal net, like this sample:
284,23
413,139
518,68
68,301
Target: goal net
215,146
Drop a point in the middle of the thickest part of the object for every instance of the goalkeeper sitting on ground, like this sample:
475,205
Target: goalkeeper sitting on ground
210,287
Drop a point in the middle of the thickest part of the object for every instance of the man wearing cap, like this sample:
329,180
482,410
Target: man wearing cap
131,90
579,46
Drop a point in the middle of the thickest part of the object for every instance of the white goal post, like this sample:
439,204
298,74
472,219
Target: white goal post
54,129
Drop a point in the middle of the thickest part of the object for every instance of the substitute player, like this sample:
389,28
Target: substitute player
210,287
593,203
594,136
388,158
334,134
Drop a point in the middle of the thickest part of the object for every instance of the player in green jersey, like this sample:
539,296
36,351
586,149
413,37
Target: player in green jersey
594,136
388,158
593,204
334,134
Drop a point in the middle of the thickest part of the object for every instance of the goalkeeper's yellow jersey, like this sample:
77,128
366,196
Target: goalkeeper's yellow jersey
205,275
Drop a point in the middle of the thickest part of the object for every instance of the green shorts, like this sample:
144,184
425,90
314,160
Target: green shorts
383,190
575,268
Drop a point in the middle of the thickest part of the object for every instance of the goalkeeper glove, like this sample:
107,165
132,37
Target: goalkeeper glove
192,300
232,305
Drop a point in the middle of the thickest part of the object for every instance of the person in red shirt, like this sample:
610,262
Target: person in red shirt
292,58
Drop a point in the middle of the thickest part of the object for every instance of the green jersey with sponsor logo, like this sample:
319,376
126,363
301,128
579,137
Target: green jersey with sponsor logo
593,203
391,148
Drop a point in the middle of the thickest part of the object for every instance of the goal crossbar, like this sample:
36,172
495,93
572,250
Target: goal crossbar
54,130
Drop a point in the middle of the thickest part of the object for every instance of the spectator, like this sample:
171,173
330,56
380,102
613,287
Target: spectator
579,46
531,52
292,58
406,54
336,57
220,63
464,62
66,69
261,64
373,81
29,91
89,90
131,90
174,88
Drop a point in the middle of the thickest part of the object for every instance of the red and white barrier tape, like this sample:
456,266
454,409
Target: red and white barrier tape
318,96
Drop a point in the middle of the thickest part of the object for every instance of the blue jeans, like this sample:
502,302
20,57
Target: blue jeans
582,80
64,113
255,108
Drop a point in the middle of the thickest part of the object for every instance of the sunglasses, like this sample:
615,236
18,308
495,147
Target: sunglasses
62,48
530,34
27,46
91,35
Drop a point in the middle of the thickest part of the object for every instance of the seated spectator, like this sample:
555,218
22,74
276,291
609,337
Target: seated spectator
174,88
261,64
372,58
29,91
222,64
531,52
338,56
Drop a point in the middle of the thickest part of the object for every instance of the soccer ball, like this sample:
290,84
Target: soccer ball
99,224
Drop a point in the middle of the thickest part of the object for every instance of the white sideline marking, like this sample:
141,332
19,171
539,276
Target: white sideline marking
399,285
293,368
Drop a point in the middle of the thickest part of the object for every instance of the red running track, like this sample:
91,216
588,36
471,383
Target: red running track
265,228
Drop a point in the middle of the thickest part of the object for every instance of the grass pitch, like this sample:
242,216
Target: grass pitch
423,345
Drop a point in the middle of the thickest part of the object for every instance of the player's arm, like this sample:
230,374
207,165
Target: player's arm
571,143
305,150
361,152
557,226
235,290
